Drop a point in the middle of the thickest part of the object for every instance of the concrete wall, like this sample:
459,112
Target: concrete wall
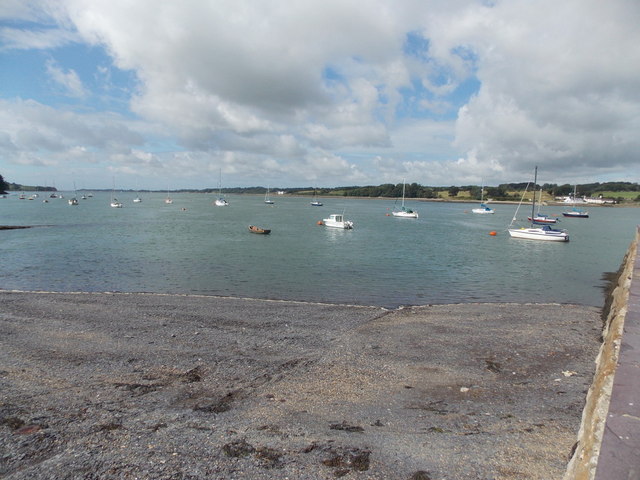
608,445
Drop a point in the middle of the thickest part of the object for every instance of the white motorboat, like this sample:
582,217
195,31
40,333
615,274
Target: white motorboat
337,220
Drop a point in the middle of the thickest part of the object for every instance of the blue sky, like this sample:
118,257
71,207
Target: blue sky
322,93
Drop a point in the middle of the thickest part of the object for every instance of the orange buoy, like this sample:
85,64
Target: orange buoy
319,222
493,233
387,214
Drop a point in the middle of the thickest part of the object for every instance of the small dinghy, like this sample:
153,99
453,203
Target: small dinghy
259,230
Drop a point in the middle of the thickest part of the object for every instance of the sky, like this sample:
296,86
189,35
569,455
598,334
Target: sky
161,94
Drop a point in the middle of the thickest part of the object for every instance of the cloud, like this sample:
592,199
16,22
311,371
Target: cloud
67,80
35,131
556,90
443,92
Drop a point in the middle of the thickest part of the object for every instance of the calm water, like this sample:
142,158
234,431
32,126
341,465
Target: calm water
446,256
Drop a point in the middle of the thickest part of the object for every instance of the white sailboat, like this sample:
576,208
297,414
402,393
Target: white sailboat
545,232
483,207
404,212
114,201
315,202
267,198
221,201
542,218
74,200
168,200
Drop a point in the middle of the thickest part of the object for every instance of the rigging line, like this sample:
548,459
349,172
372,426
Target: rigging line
521,199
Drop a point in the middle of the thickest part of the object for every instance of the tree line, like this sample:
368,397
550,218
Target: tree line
505,191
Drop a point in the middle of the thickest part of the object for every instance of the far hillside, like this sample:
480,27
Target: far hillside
621,192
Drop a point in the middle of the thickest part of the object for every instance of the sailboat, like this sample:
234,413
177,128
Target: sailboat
575,212
168,200
482,208
315,202
74,200
267,199
114,201
221,201
536,233
542,218
404,211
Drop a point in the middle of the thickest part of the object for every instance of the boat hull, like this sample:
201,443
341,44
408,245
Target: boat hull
403,214
576,214
543,220
483,210
539,234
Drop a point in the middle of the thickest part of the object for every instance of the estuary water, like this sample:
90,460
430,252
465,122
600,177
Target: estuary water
193,247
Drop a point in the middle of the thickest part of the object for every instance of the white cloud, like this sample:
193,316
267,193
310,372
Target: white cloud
340,91
67,80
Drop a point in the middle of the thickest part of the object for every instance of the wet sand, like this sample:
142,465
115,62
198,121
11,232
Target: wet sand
115,386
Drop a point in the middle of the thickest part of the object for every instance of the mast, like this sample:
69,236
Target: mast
535,184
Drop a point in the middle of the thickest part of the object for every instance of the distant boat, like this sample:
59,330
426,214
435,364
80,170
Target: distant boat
482,208
221,201
575,212
168,200
315,202
267,198
404,212
114,201
541,218
336,220
259,230
74,199
545,232
137,199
